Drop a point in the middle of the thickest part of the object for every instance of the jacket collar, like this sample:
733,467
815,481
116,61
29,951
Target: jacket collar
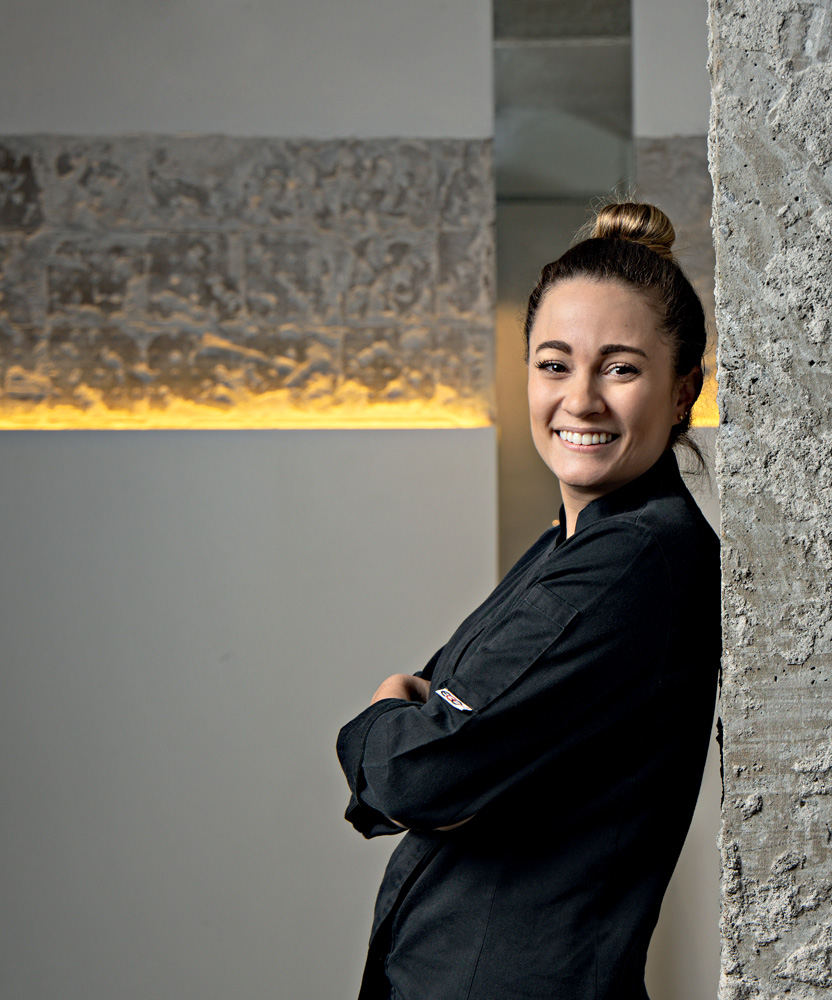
661,479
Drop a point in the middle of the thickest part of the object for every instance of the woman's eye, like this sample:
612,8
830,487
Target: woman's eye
622,369
554,367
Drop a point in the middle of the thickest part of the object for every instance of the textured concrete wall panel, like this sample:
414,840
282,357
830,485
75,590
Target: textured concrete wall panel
162,279
771,162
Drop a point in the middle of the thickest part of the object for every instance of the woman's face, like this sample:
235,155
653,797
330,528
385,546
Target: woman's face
603,394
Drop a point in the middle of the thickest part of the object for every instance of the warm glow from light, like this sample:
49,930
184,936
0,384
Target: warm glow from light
260,414
706,412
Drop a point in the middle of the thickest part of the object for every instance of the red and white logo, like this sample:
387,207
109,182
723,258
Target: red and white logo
453,701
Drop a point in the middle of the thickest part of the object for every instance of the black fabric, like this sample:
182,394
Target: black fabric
578,702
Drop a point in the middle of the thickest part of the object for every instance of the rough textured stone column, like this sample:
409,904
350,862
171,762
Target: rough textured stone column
771,161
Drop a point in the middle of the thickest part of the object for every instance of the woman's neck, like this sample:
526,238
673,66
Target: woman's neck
573,504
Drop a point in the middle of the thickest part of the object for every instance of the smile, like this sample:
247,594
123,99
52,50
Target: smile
573,437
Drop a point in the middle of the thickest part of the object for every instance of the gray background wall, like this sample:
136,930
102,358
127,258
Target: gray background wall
187,618
671,90
317,69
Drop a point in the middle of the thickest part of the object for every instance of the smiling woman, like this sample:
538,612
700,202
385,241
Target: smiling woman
603,393
546,761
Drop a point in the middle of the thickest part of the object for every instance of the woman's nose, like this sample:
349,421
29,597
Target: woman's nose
583,398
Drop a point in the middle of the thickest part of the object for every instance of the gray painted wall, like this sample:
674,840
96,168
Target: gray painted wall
671,92
187,617
317,69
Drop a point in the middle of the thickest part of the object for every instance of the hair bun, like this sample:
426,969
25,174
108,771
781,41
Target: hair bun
637,222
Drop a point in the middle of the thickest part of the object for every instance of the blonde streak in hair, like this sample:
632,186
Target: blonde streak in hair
638,222
662,233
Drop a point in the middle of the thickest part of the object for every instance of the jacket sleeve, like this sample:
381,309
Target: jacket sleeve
584,646
365,819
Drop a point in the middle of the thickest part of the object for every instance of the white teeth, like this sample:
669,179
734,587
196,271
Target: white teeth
573,437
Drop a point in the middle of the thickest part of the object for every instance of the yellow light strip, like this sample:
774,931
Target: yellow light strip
252,415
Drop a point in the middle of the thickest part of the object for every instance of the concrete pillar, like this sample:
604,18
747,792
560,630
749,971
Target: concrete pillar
771,162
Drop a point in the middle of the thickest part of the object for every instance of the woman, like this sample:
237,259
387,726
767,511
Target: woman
546,761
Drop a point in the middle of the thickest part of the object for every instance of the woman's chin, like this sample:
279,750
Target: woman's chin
587,489
580,476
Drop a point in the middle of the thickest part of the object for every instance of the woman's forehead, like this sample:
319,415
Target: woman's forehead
583,314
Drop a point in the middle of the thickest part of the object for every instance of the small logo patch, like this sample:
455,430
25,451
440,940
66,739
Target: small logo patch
453,701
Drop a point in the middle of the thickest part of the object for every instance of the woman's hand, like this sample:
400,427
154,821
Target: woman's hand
404,686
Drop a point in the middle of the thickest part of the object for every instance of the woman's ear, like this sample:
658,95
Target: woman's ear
688,388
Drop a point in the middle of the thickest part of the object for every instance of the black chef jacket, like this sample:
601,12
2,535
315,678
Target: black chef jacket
570,716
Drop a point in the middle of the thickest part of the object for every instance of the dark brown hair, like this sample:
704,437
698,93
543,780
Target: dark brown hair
631,243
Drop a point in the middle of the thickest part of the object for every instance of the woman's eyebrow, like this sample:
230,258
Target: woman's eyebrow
554,345
621,349
564,348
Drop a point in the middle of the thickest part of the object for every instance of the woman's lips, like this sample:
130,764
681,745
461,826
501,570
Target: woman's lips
587,437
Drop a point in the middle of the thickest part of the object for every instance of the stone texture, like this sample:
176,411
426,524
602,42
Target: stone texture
772,168
94,277
139,273
391,277
20,193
